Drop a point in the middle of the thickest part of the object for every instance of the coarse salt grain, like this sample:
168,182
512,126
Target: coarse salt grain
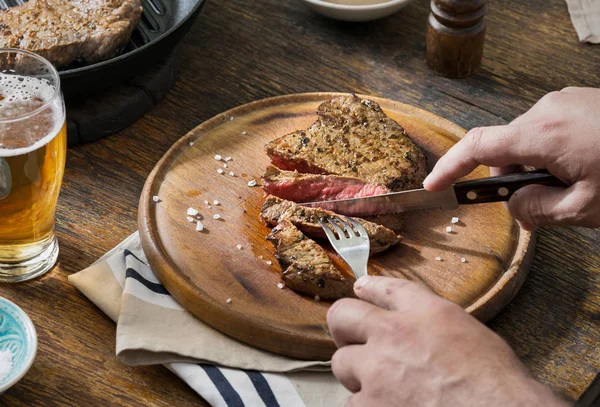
191,143
216,203
192,212
239,246
317,298
190,219
269,262
463,260
231,118
231,173
244,132
6,363
220,171
199,226
280,285
216,216
260,257
227,159
448,229
155,198
438,258
252,183
454,220
228,300
218,157
224,165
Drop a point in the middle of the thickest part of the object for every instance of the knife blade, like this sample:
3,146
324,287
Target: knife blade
477,191
390,203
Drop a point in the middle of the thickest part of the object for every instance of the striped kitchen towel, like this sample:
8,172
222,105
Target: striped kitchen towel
152,328
585,15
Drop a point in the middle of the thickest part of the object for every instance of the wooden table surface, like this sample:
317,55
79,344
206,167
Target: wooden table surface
240,51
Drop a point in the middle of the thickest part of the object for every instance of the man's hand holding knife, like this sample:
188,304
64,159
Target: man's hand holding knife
400,344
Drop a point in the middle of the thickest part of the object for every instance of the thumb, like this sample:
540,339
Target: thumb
536,205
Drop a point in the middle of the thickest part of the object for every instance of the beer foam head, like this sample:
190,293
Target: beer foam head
23,92
19,97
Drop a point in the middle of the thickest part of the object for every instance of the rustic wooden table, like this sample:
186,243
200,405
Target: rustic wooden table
240,51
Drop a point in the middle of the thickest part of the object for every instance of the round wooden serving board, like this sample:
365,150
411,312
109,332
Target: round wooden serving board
203,269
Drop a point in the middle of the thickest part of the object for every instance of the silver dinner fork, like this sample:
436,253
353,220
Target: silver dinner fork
350,239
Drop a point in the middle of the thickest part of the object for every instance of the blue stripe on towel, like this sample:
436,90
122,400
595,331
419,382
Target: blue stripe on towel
154,287
231,397
262,388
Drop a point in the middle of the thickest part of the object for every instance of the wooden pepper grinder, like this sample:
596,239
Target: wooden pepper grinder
455,37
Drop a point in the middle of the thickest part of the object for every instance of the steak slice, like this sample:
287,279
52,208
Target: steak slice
297,187
353,138
306,266
64,31
275,210
393,221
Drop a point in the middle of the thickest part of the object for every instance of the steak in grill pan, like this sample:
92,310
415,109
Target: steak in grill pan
65,31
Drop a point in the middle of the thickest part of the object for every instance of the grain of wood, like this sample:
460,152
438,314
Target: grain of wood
237,53
283,321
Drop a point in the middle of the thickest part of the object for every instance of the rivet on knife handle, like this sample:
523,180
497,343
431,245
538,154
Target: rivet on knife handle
502,187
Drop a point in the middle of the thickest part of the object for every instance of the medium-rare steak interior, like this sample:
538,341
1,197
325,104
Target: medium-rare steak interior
306,266
274,210
64,31
298,187
353,137
352,150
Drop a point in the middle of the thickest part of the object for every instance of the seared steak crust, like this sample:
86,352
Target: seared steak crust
275,210
306,266
64,31
353,137
393,221
297,187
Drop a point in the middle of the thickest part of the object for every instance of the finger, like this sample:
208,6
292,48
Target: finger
356,400
536,205
496,146
574,89
345,365
350,321
392,293
509,169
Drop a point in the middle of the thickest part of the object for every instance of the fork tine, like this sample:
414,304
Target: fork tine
358,227
330,235
337,227
349,227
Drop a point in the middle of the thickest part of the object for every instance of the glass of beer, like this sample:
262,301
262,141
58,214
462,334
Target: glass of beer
33,141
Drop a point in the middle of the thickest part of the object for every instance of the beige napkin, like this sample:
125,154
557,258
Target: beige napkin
152,328
585,15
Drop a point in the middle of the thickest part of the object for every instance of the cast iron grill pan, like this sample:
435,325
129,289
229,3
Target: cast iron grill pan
162,26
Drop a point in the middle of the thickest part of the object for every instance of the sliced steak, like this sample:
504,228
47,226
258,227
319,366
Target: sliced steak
306,266
353,138
297,187
275,210
393,221
64,31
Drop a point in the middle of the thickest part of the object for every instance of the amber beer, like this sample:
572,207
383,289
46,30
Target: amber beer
32,160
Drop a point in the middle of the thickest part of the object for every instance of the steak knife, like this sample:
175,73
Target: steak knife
477,191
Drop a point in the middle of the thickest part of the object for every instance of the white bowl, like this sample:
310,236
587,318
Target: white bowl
349,11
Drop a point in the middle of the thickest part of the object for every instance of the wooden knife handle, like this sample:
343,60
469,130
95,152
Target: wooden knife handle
501,188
